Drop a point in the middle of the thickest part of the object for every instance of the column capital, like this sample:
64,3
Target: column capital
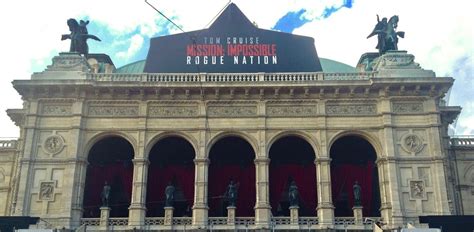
201,160
321,160
262,160
140,161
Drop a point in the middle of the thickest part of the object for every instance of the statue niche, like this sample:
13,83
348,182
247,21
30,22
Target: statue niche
78,36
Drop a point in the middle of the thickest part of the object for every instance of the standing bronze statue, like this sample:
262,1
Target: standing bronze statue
293,194
78,36
357,194
231,194
169,192
387,36
105,195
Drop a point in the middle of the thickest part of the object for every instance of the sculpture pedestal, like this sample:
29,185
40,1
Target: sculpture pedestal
231,215
168,216
294,217
358,215
104,218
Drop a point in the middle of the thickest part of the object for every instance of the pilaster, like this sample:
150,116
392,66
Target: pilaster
325,207
200,208
137,209
262,206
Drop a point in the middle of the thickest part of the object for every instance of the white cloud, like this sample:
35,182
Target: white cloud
438,33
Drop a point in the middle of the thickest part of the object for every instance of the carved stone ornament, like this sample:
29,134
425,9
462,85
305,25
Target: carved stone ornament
115,111
366,109
232,111
412,143
69,62
285,111
56,110
46,192
417,189
408,107
173,111
396,60
53,144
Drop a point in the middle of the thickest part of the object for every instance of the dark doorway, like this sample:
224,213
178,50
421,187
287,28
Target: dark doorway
353,159
171,162
292,159
110,160
231,159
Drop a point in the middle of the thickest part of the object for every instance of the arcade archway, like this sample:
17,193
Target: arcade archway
171,162
353,159
231,158
110,160
292,159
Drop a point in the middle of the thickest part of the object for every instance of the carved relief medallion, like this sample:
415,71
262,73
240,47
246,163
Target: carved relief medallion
412,143
53,144
46,192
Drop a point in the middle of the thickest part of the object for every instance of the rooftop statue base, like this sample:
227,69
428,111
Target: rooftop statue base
393,64
74,66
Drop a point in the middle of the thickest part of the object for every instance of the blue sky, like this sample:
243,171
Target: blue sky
441,38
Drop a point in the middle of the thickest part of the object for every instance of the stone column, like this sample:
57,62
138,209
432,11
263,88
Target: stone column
104,218
262,205
357,214
325,207
200,208
137,209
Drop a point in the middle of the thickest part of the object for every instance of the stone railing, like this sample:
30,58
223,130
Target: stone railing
462,142
182,220
90,221
281,221
118,221
8,144
344,221
154,221
228,77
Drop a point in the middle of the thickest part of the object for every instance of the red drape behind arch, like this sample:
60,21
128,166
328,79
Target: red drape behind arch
343,177
305,178
158,179
219,178
120,177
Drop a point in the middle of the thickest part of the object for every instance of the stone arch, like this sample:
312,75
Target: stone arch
150,144
106,134
292,160
232,159
354,153
110,158
301,134
250,140
171,162
362,134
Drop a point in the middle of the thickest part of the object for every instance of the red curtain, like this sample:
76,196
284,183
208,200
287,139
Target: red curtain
219,178
119,176
305,178
343,177
158,178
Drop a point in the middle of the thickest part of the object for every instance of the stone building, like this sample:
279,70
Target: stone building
304,119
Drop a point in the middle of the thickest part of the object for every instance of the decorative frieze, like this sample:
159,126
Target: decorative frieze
56,110
173,111
362,109
292,110
114,111
407,107
232,111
